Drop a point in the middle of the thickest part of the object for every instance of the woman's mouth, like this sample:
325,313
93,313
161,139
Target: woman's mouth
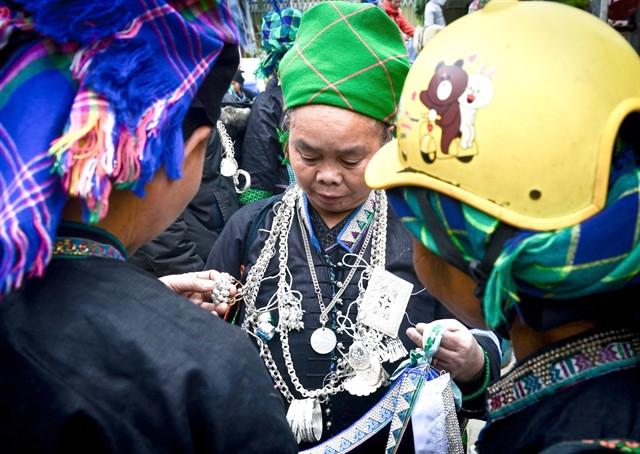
328,199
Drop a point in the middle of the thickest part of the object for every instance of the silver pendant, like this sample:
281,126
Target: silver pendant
323,340
373,374
247,181
305,418
385,302
228,167
358,356
367,380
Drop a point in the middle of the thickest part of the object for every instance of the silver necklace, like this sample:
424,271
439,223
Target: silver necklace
323,339
360,369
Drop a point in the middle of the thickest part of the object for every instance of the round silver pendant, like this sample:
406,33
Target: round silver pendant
228,167
323,340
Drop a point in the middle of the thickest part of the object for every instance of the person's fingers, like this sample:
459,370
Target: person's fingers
415,336
196,298
207,274
188,282
221,309
420,327
208,306
197,284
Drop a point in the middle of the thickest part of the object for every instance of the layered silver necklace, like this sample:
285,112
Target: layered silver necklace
380,308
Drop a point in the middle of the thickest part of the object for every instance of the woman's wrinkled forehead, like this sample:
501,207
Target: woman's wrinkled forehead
331,130
369,127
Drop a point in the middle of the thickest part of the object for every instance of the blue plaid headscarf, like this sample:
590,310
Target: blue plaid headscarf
97,91
599,255
279,30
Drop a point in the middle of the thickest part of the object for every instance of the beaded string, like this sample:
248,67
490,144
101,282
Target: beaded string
485,382
541,375
77,248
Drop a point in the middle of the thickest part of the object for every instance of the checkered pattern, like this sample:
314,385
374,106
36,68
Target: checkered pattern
348,55
279,30
601,254
99,93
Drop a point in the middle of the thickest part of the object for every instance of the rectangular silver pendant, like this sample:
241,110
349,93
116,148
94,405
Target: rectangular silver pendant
384,302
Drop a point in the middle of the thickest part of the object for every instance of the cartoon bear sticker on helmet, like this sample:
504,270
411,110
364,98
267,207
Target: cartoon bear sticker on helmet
481,121
453,98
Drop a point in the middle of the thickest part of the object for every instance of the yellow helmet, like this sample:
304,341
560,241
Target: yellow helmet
514,109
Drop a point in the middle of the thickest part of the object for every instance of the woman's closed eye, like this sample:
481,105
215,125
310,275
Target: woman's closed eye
309,159
351,162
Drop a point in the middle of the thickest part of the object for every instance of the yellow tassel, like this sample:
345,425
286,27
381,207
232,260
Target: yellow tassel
75,135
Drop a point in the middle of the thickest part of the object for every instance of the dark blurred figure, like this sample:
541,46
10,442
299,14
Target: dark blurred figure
455,9
262,154
237,92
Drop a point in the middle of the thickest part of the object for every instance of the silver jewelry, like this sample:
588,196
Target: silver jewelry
229,165
323,340
385,302
360,369
305,418
220,291
359,356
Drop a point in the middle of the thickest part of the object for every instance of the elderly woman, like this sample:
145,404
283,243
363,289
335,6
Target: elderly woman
529,223
316,259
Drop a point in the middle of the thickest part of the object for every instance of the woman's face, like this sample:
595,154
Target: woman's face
329,149
448,284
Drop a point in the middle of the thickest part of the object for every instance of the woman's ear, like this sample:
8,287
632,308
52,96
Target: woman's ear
197,138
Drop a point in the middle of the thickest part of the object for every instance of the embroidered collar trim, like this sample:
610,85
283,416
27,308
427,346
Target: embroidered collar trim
355,229
77,241
543,374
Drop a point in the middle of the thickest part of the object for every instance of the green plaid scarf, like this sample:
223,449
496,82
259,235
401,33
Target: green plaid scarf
278,30
599,255
372,65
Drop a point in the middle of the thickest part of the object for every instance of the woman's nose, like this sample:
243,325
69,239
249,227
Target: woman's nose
329,174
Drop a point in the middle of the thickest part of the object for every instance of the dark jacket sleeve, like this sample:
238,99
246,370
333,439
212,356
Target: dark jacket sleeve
227,253
171,252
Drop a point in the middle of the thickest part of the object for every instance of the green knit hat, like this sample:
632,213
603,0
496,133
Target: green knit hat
348,55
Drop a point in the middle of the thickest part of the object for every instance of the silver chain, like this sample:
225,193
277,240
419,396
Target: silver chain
227,143
288,306
228,157
324,314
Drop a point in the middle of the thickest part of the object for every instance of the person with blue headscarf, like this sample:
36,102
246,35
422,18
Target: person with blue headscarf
105,111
